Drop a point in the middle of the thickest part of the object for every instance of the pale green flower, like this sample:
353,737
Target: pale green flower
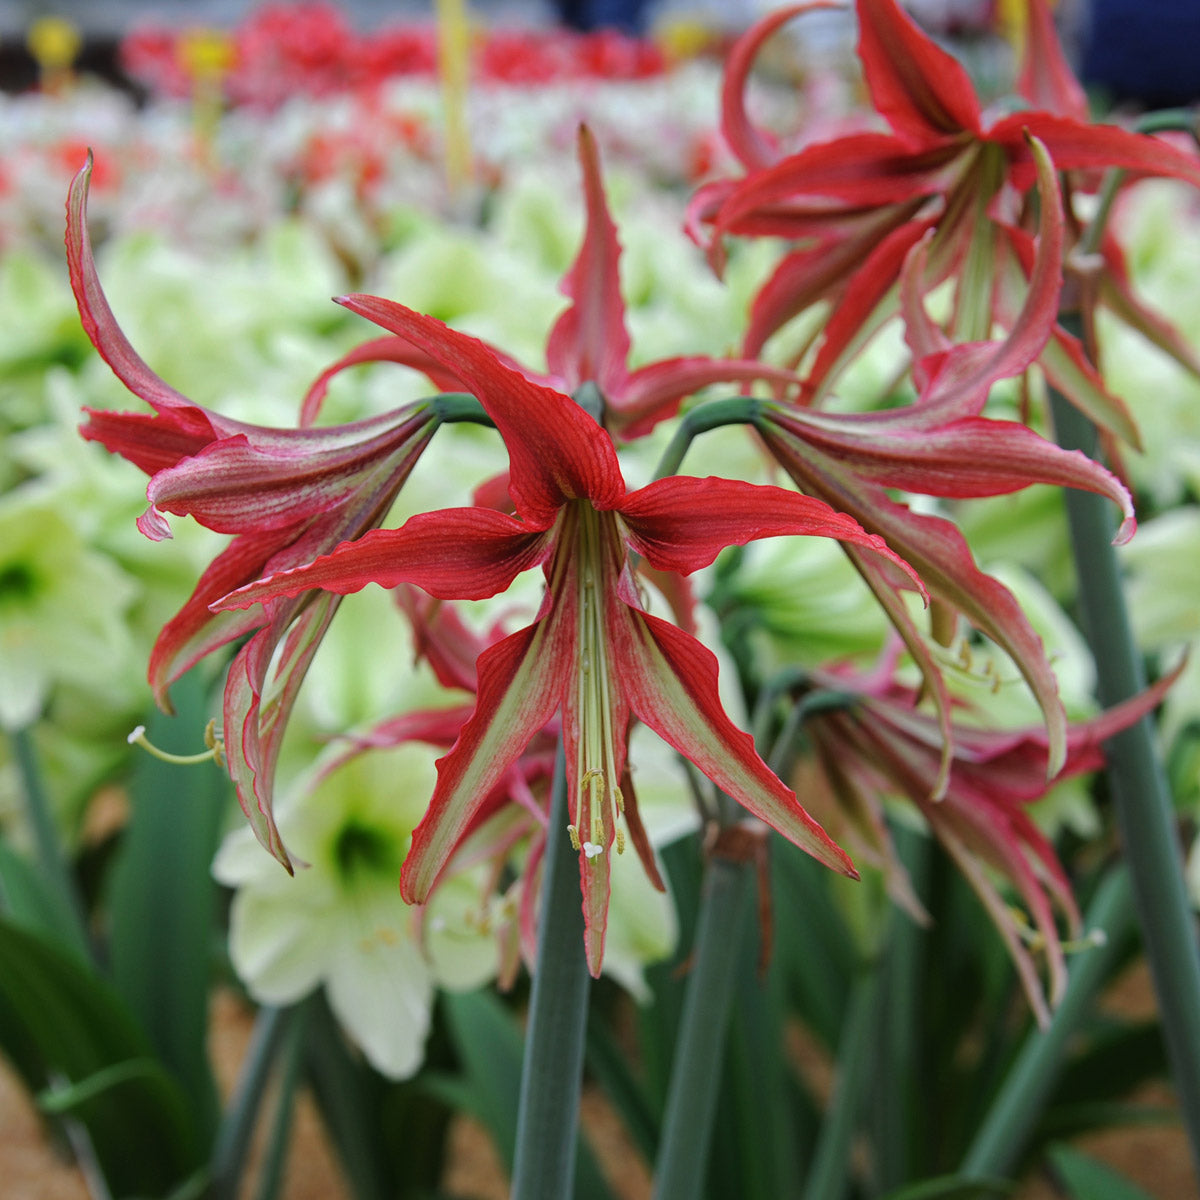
339,922
62,608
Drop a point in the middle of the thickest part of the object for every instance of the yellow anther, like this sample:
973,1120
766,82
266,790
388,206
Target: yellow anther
619,797
620,840
576,844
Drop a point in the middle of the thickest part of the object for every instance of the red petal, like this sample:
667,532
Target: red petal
670,680
384,349
922,91
1046,80
521,686
682,523
556,451
589,341
454,553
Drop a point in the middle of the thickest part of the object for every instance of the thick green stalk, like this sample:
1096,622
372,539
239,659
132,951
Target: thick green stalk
551,1076
1004,1134
696,1069
737,410
1141,796
830,1171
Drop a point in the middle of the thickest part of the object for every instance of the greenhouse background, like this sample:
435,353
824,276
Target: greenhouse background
680,682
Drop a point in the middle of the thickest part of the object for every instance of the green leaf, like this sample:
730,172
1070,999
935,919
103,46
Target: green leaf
62,1021
27,897
1086,1179
162,900
954,1187
490,1048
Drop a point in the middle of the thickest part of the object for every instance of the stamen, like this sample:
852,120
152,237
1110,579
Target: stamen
574,835
214,742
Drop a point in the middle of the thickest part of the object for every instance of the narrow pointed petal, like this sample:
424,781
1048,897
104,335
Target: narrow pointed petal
151,441
1045,79
1075,145
589,341
97,317
754,147
670,680
521,685
923,92
454,553
195,630
682,523
556,451
384,349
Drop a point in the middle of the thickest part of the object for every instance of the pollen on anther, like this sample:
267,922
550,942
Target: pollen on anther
620,841
576,844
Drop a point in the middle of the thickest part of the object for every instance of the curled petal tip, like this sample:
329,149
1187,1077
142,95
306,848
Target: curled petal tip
1127,530
154,525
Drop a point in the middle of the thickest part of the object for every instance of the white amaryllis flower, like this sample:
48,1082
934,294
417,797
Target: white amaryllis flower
339,922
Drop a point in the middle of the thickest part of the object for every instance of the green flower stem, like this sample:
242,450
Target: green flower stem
47,844
453,407
737,410
1141,796
830,1170
552,1073
1002,1137
271,1177
237,1125
696,1069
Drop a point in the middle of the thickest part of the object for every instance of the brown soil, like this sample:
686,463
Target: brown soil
1156,1158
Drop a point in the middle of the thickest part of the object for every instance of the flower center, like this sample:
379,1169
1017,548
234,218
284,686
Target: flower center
597,776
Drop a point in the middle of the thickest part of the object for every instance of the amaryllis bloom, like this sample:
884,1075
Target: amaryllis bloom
943,446
871,743
854,206
593,653
589,343
286,496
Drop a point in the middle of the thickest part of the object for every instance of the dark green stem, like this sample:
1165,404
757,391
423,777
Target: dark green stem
737,410
1141,796
48,846
455,407
830,1170
696,1069
237,1125
551,1076
1004,1134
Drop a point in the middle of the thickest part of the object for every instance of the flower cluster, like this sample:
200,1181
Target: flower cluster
877,222
281,51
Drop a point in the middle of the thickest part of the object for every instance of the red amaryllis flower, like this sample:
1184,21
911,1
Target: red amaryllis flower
286,496
857,204
943,446
871,743
593,652
589,343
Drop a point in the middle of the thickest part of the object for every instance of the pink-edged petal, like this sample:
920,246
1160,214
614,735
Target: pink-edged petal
195,631
1116,294
101,326
1045,79
556,451
923,92
522,681
454,554
249,482
589,342
260,691
670,681
753,147
682,523
384,349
